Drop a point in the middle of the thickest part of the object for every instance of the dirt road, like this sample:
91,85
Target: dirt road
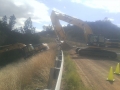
94,72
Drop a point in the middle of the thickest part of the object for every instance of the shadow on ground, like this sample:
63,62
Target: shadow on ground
93,57
10,57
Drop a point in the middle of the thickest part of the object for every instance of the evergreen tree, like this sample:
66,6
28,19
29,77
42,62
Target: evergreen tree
28,28
12,22
4,19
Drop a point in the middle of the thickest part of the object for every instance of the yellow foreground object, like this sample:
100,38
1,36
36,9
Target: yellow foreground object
110,76
117,70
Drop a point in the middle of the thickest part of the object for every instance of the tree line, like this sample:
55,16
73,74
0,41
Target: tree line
11,35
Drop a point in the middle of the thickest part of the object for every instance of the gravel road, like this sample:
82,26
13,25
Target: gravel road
94,72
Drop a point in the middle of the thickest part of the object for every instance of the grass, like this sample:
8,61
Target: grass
71,78
28,74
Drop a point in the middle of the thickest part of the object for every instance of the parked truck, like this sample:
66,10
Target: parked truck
41,47
33,49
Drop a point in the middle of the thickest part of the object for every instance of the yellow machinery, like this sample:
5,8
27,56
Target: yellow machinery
11,47
114,43
41,47
95,43
28,50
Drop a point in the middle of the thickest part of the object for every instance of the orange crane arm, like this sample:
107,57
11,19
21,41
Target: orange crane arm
56,16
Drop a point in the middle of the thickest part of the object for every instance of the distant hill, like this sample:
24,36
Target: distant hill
74,33
105,28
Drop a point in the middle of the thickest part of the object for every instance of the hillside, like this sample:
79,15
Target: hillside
105,28
74,33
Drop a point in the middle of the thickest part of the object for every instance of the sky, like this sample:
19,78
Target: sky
40,10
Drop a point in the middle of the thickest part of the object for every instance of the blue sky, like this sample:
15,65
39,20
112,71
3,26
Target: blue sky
40,10
85,10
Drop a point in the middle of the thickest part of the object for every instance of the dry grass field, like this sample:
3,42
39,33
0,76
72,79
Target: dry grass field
30,74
